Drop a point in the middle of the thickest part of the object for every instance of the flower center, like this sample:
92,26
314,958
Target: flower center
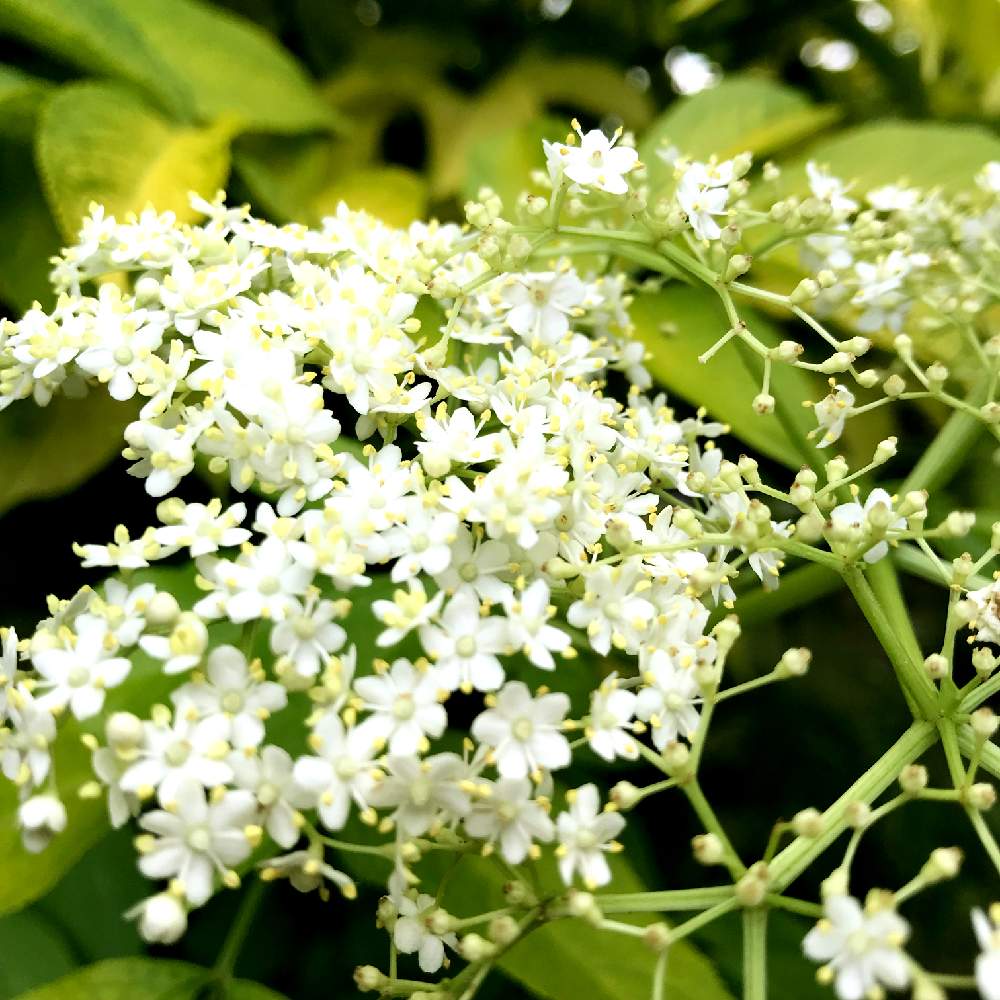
199,839
466,646
522,729
177,753
468,572
232,702
403,707
78,677
269,585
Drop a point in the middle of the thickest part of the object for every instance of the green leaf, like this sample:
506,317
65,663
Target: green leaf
34,949
28,236
100,37
46,451
148,978
20,96
741,113
927,154
393,194
101,142
677,324
571,958
232,66
25,877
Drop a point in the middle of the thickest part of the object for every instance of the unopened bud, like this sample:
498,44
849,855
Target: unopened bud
808,823
984,722
708,849
625,795
913,778
794,662
936,666
368,979
763,403
894,386
475,948
503,930
981,796
752,887
944,863
656,937
858,815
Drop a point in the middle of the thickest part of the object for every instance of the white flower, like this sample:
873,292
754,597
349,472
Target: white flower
464,646
307,871
700,203
308,636
667,701
611,609
125,552
204,528
79,676
408,609
597,162
986,601
177,751
853,517
508,814
404,707
609,729
341,775
988,962
585,834
424,544
690,72
476,565
40,818
109,767
453,438
162,918
197,839
832,413
183,648
268,774
25,747
8,668
528,614
236,692
540,304
525,732
422,792
863,947
828,188
412,932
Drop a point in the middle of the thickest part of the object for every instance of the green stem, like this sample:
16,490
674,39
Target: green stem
225,963
918,688
755,954
952,751
706,814
664,901
803,851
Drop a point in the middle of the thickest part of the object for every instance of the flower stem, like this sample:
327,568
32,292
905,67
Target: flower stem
230,951
755,954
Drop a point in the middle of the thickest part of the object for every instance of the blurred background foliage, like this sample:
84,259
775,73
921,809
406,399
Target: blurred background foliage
406,109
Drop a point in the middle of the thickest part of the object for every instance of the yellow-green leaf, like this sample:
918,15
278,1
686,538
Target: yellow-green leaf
46,451
146,978
393,194
101,142
927,154
97,36
741,113
679,323
20,96
232,66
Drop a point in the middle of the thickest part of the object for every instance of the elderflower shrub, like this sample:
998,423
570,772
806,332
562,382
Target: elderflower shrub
442,438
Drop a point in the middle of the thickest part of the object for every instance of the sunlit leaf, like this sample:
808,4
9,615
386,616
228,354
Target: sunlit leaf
100,142
678,324
395,195
740,113
34,949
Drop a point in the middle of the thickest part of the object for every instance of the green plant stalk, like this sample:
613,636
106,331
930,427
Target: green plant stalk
225,964
755,954
952,752
917,687
710,821
803,851
664,901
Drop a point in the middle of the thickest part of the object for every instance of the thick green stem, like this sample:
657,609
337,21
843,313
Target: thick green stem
755,954
803,851
917,686
666,901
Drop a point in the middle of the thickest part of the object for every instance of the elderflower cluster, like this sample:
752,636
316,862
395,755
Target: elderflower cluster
456,503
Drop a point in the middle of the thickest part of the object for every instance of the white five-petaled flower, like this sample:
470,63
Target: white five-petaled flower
667,701
412,932
422,792
404,706
609,729
528,613
204,528
268,774
341,774
862,948
79,675
540,304
585,835
599,163
197,839
510,815
308,636
525,732
986,601
236,692
464,646
832,413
